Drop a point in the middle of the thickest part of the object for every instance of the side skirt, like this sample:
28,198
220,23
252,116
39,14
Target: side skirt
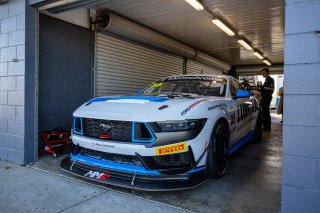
246,138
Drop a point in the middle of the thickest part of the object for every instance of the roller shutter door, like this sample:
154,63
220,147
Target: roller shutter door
123,67
197,68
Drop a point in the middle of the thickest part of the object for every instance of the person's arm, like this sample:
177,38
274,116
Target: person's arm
269,88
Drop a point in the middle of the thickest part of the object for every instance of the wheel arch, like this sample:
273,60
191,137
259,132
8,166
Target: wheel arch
225,122
218,120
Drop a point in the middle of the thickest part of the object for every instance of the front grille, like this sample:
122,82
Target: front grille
123,159
170,164
118,130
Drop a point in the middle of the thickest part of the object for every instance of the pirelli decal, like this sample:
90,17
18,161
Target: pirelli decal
171,149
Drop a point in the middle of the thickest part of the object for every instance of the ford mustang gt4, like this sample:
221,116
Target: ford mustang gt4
175,134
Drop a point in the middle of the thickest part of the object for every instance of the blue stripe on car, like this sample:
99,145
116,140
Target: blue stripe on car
196,170
120,166
242,141
113,165
147,98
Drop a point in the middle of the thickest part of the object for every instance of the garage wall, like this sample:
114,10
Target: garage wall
301,143
12,81
123,67
197,68
64,71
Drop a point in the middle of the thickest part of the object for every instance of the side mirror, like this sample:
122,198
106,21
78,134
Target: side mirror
243,94
140,91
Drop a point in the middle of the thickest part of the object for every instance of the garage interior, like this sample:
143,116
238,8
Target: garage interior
126,45
82,55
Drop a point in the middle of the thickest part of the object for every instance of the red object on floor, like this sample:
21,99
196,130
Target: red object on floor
52,139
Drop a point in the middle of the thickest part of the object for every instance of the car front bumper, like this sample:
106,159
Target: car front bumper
133,176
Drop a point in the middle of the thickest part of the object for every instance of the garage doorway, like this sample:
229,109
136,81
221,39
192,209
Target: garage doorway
65,76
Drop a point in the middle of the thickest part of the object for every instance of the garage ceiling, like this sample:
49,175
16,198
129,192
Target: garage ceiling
260,22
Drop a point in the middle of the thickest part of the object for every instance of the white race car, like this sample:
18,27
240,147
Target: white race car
174,134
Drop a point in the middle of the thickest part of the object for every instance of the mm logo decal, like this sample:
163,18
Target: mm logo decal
97,175
171,149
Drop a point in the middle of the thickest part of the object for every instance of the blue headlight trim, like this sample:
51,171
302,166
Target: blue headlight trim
153,138
74,124
147,98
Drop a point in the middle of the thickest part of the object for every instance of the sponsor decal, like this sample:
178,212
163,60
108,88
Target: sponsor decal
244,115
244,111
216,106
155,85
203,78
171,149
99,145
192,106
97,175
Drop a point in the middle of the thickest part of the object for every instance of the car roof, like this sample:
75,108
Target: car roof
206,75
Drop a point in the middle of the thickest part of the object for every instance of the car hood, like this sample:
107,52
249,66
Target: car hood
140,108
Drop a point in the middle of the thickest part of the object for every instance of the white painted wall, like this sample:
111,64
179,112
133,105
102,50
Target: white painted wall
301,141
12,80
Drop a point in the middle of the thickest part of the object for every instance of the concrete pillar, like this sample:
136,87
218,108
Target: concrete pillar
301,138
14,94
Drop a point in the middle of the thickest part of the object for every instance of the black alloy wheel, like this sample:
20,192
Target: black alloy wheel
218,158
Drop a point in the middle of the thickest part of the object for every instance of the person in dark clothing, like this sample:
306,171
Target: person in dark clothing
246,84
266,93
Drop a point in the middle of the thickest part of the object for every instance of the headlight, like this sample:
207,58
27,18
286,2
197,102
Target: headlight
184,125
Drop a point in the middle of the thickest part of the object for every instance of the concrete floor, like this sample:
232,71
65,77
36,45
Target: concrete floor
252,184
33,191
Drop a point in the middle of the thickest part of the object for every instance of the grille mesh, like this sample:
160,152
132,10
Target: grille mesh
123,159
175,159
120,130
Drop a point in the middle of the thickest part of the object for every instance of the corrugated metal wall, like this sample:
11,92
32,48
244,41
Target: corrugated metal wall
123,67
197,68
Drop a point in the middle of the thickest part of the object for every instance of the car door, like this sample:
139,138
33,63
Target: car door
239,114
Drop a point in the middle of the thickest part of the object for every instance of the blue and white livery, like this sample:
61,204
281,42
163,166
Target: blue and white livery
175,134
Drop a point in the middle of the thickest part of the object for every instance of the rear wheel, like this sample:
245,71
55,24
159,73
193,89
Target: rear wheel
258,129
217,158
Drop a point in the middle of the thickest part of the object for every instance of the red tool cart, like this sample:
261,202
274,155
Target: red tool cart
54,138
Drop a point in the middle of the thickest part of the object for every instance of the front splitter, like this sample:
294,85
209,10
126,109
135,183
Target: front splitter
159,182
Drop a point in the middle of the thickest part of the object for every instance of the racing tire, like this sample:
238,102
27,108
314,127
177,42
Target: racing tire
218,152
257,137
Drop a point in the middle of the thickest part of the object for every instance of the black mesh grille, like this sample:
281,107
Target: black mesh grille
118,130
124,159
175,159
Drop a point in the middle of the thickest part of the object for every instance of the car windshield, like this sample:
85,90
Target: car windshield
200,85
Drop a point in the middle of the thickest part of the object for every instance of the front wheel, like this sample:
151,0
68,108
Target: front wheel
218,150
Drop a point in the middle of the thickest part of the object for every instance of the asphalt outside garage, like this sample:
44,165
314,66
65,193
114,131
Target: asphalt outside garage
252,184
